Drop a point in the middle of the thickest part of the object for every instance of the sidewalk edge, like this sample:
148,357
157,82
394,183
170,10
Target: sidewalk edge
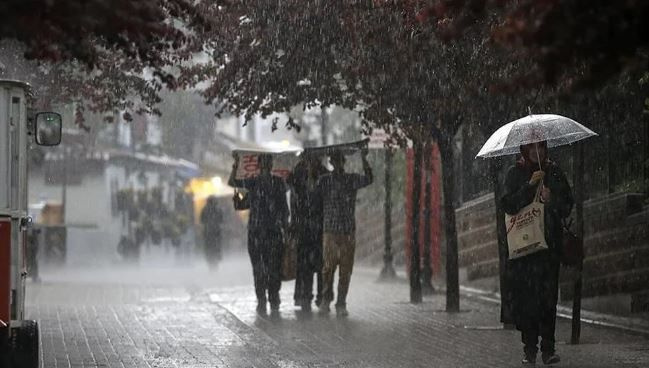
588,317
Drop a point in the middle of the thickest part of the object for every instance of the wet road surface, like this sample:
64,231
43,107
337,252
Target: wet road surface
181,315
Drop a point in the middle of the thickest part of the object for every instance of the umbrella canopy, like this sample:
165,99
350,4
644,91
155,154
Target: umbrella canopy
557,130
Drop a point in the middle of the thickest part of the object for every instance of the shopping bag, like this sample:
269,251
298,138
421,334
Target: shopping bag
289,259
526,230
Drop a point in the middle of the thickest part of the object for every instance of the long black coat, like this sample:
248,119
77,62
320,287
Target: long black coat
212,219
534,279
306,218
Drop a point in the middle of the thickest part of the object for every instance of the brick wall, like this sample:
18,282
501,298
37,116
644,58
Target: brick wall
616,247
477,239
616,244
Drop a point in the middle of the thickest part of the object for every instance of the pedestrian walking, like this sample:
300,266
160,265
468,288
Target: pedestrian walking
535,280
339,200
212,220
306,227
266,225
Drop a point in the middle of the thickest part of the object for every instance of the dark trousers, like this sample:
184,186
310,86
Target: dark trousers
304,286
545,330
535,301
309,262
265,250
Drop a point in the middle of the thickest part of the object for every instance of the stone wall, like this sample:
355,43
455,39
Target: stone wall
616,245
477,239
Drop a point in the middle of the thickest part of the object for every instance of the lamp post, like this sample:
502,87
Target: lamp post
387,273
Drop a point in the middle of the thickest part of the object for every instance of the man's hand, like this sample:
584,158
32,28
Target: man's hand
546,194
235,168
537,177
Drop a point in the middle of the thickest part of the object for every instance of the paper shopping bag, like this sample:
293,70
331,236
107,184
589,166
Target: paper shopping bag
526,230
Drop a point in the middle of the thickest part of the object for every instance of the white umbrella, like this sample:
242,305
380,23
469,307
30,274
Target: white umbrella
556,130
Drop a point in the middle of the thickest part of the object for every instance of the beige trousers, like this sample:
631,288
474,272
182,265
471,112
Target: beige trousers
338,252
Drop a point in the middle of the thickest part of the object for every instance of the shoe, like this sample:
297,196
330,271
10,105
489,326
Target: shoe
261,308
306,306
342,312
550,358
274,307
529,360
324,308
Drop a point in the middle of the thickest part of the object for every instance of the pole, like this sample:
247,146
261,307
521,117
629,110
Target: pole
427,271
579,209
503,253
387,273
415,277
64,184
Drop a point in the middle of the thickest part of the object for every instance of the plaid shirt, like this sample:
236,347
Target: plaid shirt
339,199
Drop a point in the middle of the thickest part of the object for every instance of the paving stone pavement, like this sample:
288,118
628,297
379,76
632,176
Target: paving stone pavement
188,317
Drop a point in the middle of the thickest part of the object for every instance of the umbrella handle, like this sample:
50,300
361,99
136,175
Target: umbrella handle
538,157
541,184
537,195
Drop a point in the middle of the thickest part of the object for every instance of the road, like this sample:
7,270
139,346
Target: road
164,314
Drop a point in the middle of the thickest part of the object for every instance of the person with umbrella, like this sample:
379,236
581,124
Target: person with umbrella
536,282
534,177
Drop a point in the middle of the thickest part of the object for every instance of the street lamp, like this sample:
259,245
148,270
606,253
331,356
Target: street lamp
388,273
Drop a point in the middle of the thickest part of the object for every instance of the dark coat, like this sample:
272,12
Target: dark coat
212,219
307,217
268,208
534,279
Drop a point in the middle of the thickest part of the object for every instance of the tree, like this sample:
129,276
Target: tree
106,55
576,44
359,55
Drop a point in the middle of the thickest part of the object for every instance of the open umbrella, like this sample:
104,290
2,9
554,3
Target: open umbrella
556,130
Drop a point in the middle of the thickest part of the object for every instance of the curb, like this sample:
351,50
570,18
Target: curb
629,325
639,327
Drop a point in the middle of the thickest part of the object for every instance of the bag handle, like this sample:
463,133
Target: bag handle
537,195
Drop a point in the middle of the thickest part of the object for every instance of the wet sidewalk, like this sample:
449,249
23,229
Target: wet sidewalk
211,323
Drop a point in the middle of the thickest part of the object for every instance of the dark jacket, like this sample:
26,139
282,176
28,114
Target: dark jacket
534,278
267,195
306,202
212,218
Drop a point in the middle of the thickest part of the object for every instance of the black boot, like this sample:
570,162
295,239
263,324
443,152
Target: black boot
550,358
261,306
529,358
